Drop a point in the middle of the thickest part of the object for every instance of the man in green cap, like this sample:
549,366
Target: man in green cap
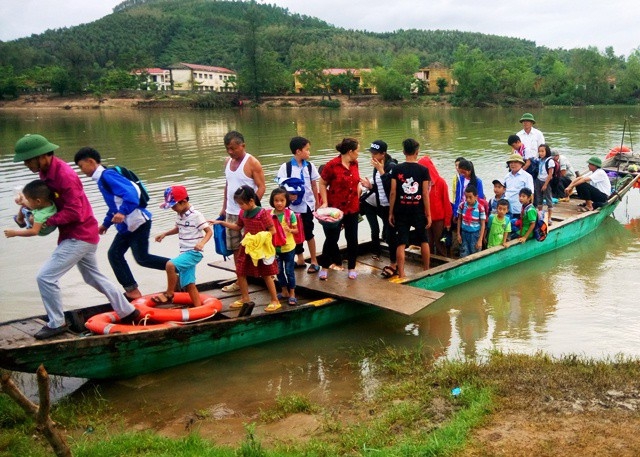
78,235
530,136
593,187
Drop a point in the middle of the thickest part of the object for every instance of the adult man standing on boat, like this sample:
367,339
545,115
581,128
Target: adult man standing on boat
514,181
593,187
241,168
530,136
78,235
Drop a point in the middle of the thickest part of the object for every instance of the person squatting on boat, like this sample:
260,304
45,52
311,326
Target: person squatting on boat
132,221
593,187
78,234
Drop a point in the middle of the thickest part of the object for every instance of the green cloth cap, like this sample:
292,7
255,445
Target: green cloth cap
30,146
595,161
527,117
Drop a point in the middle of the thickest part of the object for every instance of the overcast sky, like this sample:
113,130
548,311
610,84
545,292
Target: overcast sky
553,23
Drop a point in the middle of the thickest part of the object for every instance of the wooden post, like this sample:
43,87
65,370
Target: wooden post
44,424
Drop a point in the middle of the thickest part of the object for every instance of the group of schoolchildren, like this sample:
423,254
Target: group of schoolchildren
404,195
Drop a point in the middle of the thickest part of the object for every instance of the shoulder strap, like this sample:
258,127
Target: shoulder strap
288,169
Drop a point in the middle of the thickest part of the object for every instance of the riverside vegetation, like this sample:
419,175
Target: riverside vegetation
509,404
266,44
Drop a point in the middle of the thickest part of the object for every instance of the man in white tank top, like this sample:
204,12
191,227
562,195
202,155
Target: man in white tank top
241,168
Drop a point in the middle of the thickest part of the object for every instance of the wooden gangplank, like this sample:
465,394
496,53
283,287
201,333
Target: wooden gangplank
367,289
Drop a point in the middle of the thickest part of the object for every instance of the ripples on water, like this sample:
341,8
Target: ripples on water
579,300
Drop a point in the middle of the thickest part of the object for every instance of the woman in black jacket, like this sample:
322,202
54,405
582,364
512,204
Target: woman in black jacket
374,204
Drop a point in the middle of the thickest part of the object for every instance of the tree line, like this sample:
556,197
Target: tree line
266,44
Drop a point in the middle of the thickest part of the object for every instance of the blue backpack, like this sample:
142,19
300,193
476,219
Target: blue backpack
220,239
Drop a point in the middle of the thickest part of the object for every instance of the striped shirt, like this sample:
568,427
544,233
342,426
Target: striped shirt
471,216
191,227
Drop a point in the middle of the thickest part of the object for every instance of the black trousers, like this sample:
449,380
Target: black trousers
330,249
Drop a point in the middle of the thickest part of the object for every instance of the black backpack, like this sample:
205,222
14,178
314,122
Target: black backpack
131,176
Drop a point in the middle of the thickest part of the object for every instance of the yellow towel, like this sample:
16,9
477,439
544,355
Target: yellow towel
259,247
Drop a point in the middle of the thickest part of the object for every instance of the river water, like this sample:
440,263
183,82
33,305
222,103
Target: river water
580,300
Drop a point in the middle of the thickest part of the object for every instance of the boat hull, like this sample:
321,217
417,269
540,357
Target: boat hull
127,355
498,258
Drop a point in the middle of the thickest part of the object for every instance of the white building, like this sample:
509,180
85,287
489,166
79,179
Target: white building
203,78
156,78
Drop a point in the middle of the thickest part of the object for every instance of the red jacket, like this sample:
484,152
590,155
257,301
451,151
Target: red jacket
440,202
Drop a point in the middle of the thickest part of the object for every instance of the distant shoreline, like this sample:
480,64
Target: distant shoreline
185,102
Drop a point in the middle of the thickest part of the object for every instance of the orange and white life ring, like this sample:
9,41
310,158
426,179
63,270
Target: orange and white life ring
209,307
107,324
618,150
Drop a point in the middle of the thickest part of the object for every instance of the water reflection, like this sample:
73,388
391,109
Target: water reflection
581,299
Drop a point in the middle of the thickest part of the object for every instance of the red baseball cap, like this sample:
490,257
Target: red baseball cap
173,195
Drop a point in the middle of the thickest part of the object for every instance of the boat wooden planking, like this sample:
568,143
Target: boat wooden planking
367,289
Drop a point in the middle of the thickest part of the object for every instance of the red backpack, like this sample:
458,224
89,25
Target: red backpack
298,237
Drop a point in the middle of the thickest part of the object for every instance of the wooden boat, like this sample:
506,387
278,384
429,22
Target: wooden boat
78,353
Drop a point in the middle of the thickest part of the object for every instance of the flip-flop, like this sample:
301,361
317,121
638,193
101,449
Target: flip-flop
584,209
313,268
335,267
583,204
353,274
322,276
389,271
157,299
293,301
273,307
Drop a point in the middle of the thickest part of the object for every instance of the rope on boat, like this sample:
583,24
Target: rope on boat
145,319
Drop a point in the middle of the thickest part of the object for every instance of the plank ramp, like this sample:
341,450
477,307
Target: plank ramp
368,289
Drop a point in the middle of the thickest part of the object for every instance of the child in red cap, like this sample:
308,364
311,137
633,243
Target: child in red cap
193,233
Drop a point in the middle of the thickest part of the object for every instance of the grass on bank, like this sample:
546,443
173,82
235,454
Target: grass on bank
412,413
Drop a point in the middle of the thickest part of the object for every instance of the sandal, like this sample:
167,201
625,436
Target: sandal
322,276
375,257
313,268
584,209
273,307
293,301
388,272
162,299
236,304
233,287
335,267
282,296
353,274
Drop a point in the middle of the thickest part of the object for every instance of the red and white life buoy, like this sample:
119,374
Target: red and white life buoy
108,324
147,307
618,150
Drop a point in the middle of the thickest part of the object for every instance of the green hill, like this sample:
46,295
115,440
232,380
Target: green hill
265,44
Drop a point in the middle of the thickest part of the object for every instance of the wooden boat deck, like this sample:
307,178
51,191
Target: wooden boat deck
369,288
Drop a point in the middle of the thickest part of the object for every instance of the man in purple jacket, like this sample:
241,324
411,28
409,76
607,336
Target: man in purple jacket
78,235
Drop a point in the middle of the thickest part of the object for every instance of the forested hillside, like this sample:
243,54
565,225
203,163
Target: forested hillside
265,44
